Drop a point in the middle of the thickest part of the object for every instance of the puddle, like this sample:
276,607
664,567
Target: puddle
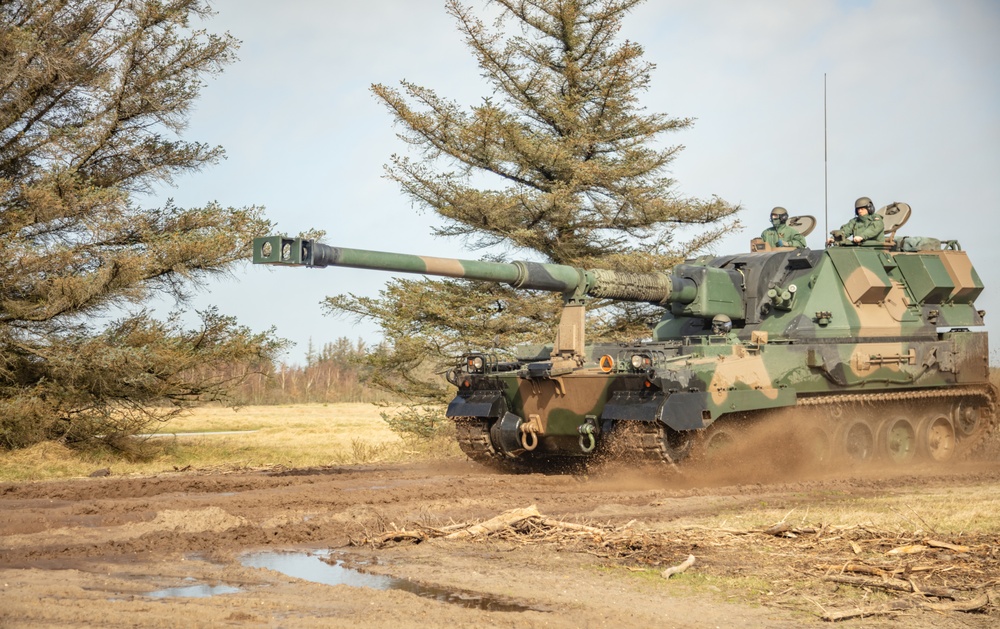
194,591
312,567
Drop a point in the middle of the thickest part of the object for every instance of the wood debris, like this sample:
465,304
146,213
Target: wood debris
520,522
853,567
976,604
784,529
502,521
894,584
679,568
955,547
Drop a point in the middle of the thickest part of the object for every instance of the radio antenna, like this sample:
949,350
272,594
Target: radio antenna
826,188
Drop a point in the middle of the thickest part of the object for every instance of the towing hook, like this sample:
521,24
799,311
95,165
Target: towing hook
529,436
587,440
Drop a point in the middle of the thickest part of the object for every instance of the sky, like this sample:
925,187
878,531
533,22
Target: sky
806,105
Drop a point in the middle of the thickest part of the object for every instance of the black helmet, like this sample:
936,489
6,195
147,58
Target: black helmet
866,203
721,324
781,214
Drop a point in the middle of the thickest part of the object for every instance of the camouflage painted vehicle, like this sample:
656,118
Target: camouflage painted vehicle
880,353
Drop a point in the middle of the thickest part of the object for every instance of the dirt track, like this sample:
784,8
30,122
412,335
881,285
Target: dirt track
88,552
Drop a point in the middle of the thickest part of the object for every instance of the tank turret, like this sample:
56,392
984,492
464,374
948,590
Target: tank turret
864,352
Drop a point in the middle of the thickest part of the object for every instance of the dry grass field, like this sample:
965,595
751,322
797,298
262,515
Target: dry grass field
261,437
253,437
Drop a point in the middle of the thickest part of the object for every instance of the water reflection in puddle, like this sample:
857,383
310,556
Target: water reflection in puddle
194,591
312,567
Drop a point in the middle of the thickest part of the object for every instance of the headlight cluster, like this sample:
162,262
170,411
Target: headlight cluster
475,363
641,362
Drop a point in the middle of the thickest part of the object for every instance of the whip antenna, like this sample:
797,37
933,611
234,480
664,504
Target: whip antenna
826,194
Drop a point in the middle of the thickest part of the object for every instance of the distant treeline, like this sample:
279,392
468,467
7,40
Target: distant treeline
332,374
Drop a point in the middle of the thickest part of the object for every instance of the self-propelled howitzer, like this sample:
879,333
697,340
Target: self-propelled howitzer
879,353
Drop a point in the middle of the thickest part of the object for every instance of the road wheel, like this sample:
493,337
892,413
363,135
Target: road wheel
937,439
817,444
857,441
719,441
898,438
967,419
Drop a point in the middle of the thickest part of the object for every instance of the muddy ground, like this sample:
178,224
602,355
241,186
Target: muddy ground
107,551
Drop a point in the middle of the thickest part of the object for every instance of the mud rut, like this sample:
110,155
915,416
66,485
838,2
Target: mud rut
87,552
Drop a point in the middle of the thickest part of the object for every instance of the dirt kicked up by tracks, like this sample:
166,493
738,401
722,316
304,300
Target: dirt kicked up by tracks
109,551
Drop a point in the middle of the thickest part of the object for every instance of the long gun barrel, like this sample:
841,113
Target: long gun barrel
573,282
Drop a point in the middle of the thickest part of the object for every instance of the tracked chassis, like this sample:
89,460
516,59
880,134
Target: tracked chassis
917,427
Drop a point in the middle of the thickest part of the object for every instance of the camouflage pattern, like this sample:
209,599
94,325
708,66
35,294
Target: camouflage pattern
882,351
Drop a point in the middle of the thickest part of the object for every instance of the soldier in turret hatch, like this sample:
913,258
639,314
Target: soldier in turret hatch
866,228
779,234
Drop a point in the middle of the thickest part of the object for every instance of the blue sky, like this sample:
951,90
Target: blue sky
912,102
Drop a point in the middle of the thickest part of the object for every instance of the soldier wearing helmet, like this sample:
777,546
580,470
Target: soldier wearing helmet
722,325
866,228
779,234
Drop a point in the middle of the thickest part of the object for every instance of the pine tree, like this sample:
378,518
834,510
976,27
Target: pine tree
577,176
93,97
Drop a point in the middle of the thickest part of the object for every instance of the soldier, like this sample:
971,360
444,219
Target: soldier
866,228
779,234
